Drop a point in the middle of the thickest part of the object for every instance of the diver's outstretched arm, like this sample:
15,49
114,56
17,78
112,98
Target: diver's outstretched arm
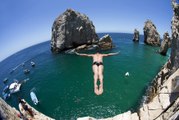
110,54
87,55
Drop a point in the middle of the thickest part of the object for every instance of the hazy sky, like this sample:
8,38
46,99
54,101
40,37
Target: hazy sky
27,22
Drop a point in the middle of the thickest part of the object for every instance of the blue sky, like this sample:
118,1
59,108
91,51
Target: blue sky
24,23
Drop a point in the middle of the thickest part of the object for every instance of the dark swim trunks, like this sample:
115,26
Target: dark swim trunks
97,63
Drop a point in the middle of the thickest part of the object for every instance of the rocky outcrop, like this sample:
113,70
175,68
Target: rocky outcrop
151,36
175,36
72,29
105,43
166,43
136,36
7,112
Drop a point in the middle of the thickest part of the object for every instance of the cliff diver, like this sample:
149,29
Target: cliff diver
97,67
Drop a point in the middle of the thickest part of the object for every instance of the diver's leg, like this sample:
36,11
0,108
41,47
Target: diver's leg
100,74
95,71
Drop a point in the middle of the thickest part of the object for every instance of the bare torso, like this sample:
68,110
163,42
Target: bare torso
97,58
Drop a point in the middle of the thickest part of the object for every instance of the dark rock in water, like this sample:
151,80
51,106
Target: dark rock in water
151,36
165,44
136,36
175,37
72,29
105,43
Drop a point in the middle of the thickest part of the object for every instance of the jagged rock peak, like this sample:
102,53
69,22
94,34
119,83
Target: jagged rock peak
151,36
72,29
175,7
105,42
174,57
166,43
136,35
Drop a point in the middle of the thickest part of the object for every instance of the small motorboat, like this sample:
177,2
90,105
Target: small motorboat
5,96
26,71
6,88
32,64
5,80
34,98
14,87
23,64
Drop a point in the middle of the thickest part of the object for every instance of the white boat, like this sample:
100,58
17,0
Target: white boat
34,98
26,71
14,87
32,63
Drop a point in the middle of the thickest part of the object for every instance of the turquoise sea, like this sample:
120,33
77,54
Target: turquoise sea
64,82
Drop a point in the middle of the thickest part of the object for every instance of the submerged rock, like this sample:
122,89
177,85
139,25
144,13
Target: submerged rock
72,29
151,36
136,36
165,44
175,36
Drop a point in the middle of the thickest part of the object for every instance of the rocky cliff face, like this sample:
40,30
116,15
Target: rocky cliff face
136,36
151,36
166,43
72,29
7,112
104,43
175,37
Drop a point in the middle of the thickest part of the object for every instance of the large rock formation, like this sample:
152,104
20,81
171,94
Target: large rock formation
72,29
136,35
175,36
166,43
105,43
151,36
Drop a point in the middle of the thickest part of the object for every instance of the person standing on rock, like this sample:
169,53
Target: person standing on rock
97,69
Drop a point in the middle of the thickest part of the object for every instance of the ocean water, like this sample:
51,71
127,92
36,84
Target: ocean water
64,82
